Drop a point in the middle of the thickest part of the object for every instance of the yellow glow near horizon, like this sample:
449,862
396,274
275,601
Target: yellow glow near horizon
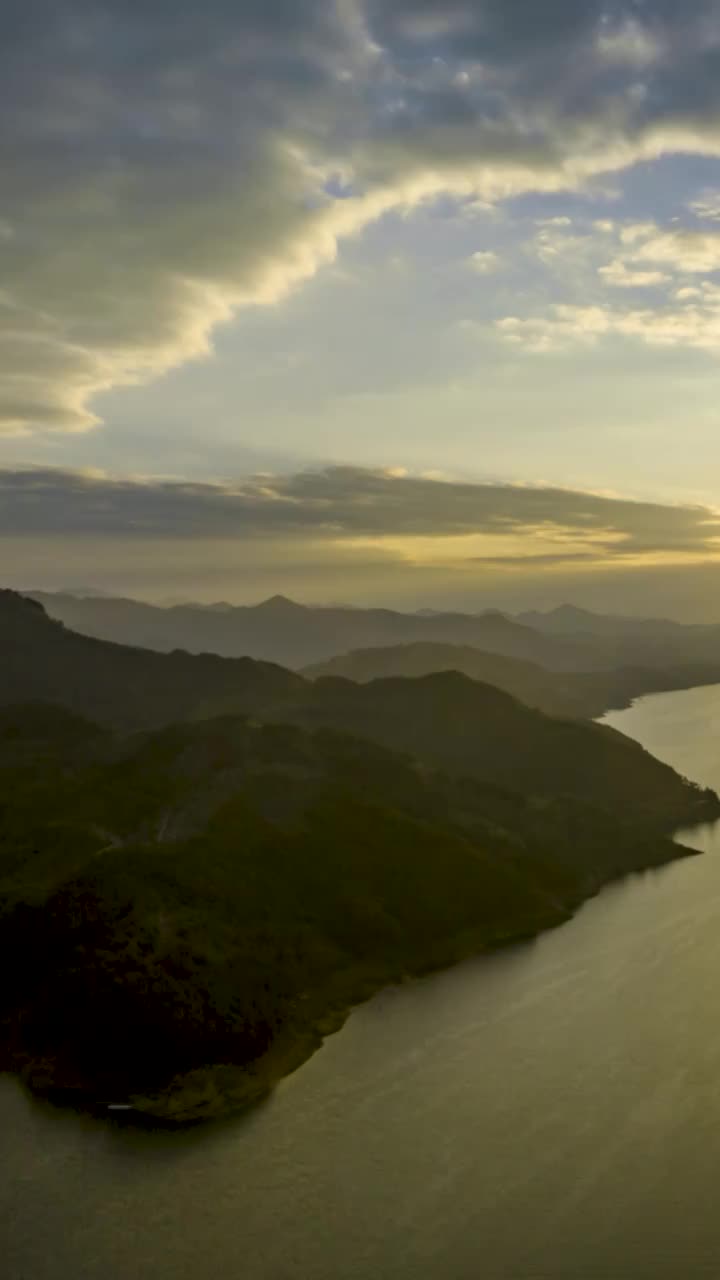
552,552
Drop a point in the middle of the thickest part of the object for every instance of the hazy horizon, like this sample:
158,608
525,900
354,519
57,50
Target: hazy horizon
601,601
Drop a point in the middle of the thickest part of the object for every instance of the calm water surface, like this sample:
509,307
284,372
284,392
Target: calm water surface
551,1113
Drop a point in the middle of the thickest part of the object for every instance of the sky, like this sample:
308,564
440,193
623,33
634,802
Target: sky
411,302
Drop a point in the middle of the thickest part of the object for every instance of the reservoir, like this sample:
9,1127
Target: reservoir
551,1112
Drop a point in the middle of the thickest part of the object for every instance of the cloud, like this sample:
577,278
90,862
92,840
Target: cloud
678,248
563,246
707,207
542,560
485,262
629,44
645,252
164,173
351,505
166,164
620,276
691,319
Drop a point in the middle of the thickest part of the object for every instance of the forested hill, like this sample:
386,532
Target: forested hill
185,913
41,660
461,725
446,720
578,694
186,910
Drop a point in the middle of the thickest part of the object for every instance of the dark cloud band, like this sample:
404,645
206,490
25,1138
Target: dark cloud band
344,503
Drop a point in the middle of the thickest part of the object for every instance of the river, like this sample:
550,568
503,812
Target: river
549,1113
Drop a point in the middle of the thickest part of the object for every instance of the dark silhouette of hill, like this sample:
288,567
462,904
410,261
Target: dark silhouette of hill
185,913
447,720
41,660
187,910
294,635
463,726
583,695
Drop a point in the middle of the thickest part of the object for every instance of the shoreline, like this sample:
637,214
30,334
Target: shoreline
219,1091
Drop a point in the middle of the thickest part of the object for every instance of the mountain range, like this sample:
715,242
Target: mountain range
569,620
295,635
204,861
577,694
449,720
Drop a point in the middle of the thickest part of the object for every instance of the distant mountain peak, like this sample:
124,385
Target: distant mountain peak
279,604
570,611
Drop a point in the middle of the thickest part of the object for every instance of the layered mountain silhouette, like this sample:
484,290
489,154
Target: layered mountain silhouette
561,693
646,641
279,630
294,635
186,908
447,719
569,620
128,688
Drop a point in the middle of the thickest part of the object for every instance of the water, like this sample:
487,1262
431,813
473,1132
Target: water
551,1113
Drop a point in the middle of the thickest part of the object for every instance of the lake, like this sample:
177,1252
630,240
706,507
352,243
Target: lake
548,1113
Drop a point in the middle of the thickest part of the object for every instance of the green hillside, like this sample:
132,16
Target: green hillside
466,727
447,720
184,913
40,660
185,908
578,694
